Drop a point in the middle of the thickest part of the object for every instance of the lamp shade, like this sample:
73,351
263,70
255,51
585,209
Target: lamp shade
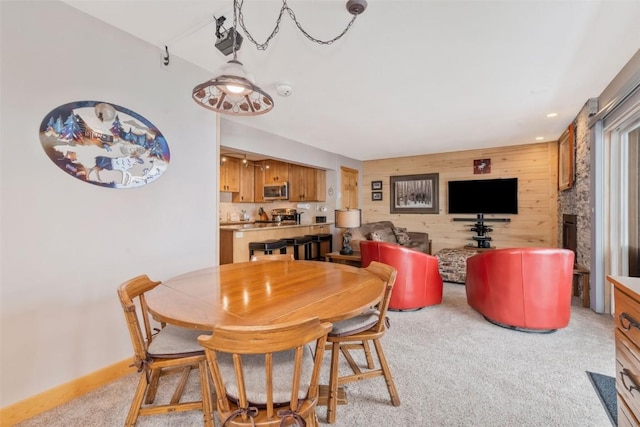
348,218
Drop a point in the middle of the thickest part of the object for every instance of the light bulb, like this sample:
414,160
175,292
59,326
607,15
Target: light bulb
234,88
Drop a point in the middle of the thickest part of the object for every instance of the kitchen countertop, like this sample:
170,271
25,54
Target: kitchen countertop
244,226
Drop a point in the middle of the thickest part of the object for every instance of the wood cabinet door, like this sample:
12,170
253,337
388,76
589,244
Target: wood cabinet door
230,175
277,172
321,185
246,187
258,182
297,184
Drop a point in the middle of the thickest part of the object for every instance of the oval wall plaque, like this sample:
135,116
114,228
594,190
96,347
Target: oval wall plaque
104,144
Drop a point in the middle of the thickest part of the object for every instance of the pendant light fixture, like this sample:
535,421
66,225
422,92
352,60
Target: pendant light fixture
234,90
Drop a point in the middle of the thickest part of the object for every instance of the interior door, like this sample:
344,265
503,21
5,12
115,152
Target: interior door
349,186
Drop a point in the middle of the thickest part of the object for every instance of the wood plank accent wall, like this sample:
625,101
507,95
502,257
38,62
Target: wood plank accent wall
535,166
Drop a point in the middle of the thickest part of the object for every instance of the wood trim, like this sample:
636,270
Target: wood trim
49,399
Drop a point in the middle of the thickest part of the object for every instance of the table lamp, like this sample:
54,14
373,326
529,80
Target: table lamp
347,218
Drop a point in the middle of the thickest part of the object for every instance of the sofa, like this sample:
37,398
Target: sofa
522,288
385,231
418,283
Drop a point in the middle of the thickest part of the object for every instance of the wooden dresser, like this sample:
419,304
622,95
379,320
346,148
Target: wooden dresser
627,334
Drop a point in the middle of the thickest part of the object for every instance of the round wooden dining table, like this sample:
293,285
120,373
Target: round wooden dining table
263,293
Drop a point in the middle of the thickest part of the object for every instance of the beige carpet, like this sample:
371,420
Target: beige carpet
451,367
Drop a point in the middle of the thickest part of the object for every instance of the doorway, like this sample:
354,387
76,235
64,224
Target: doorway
349,187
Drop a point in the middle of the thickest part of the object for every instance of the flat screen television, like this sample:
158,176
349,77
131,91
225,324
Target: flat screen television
484,196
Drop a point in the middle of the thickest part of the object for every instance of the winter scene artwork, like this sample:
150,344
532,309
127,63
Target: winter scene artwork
104,144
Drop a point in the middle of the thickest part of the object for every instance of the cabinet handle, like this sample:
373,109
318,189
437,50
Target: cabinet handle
623,373
630,322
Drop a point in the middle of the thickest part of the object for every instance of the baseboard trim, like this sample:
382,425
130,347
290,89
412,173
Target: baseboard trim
41,402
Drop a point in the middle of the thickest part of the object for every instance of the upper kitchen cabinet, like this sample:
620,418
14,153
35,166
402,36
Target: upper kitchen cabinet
302,183
306,184
275,172
321,185
229,174
258,182
246,187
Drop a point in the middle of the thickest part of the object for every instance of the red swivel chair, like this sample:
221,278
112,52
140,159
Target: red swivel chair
418,283
526,289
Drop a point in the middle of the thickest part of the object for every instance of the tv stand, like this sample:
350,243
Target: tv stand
481,229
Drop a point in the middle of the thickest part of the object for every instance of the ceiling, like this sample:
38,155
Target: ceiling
410,77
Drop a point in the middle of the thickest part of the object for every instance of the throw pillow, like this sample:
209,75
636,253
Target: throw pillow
375,237
401,236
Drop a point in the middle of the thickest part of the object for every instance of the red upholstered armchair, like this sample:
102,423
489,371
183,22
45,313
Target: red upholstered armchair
418,283
522,288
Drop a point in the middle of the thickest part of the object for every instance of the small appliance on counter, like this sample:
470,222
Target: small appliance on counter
321,219
286,216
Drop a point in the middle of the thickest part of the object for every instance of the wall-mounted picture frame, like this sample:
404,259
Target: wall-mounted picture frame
566,159
376,196
376,185
481,166
414,194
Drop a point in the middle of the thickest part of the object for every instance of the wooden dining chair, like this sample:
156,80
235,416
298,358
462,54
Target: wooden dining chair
273,257
355,334
267,375
159,352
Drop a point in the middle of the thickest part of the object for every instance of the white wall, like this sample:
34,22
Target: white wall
66,245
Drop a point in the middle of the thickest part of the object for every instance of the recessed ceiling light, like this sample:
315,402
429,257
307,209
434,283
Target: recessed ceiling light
539,138
552,115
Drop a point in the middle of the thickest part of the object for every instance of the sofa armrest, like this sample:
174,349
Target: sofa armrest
420,241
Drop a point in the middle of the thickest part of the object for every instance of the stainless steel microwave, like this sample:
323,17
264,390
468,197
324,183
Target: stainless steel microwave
276,191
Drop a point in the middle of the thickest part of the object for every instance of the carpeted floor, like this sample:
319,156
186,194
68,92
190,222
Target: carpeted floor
605,386
451,368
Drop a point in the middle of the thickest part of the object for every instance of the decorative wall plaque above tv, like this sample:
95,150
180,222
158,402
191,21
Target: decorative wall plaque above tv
483,196
104,144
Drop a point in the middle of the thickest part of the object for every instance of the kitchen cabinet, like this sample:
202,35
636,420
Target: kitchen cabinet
258,182
306,184
626,294
246,186
275,171
302,183
229,174
321,185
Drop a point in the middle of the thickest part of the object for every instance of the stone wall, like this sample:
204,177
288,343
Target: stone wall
576,200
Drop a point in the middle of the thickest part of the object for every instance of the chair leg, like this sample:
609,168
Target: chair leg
136,403
207,408
393,393
152,387
332,404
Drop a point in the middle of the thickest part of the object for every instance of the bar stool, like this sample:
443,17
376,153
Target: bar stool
296,242
268,246
318,239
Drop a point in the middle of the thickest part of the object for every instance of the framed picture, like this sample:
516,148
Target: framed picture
481,166
376,185
414,194
376,196
566,159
